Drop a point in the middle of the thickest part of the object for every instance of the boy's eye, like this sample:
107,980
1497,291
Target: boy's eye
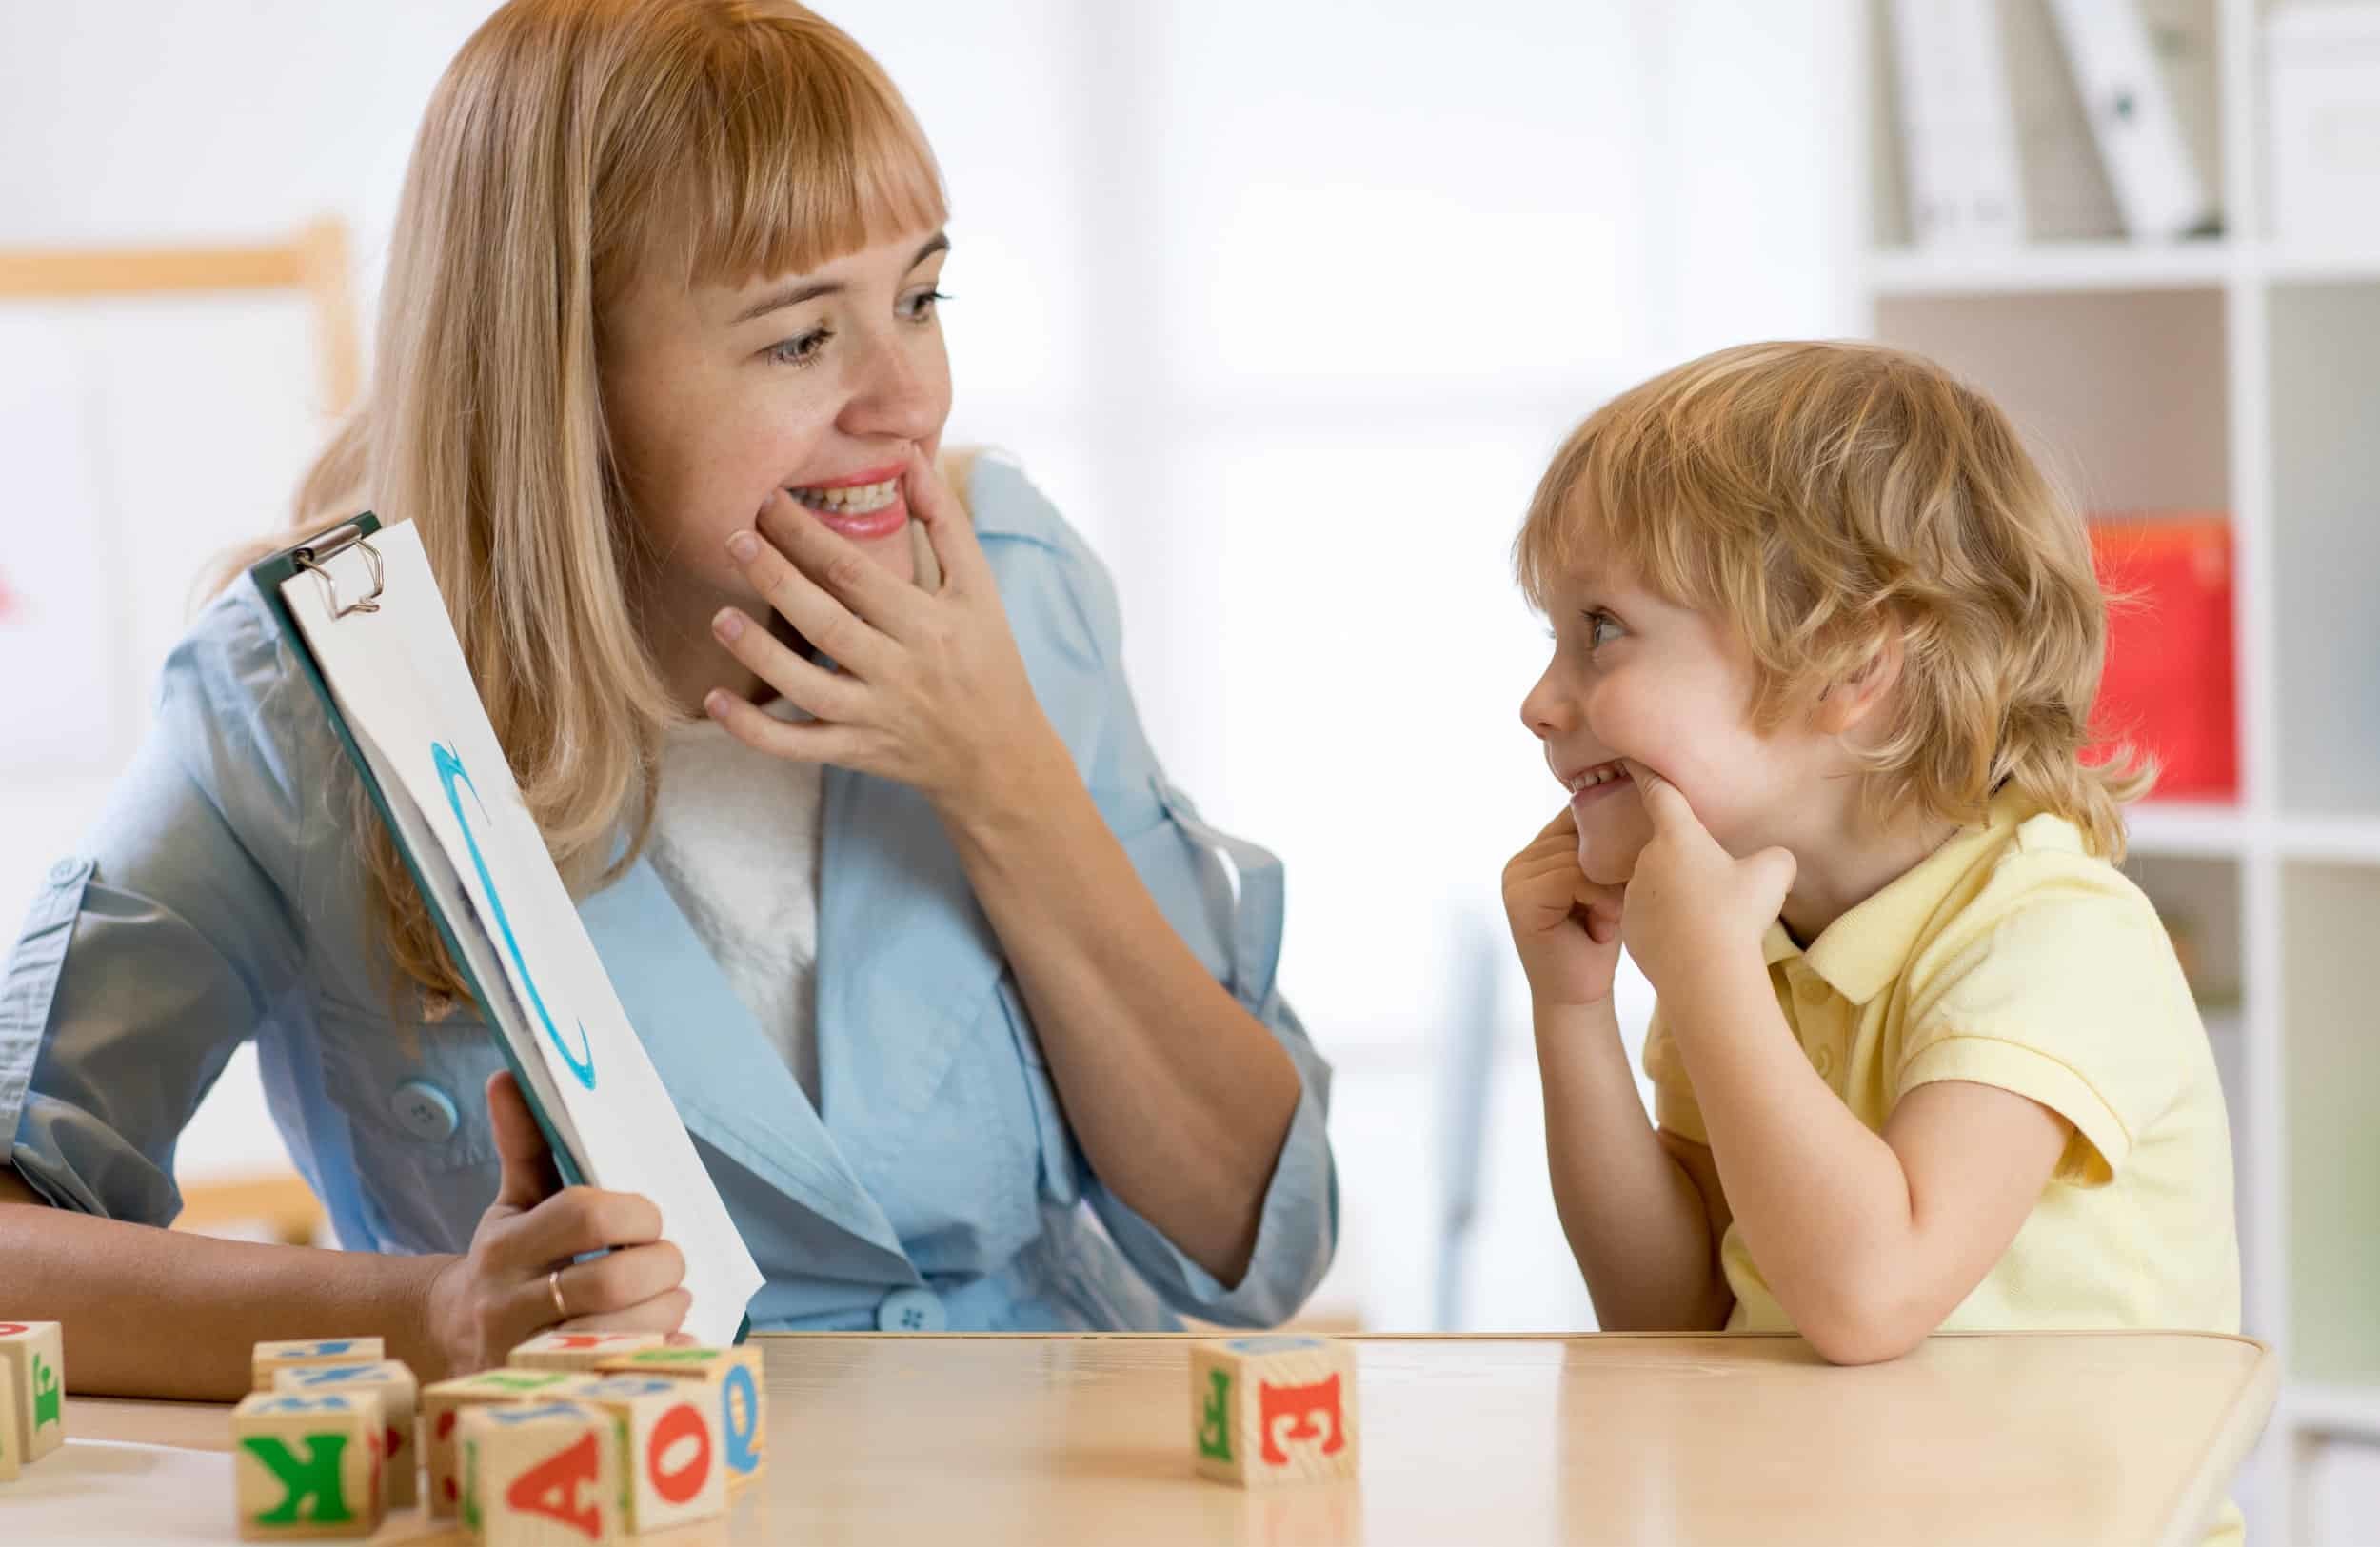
1596,625
802,350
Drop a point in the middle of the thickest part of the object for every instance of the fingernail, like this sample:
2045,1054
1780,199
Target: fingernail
715,704
728,625
743,546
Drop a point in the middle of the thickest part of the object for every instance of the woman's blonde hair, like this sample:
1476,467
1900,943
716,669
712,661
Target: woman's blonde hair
571,146
1818,495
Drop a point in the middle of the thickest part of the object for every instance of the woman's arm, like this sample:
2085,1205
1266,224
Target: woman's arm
1644,1226
1181,1097
149,1312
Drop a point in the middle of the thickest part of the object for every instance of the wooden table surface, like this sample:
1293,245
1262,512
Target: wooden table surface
2027,1437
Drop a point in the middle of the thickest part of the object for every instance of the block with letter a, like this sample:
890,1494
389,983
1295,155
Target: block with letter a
308,1465
444,1404
669,1432
1274,1409
541,1474
32,1388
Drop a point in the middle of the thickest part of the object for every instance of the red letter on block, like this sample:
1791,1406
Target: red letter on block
551,1488
1299,1403
679,1423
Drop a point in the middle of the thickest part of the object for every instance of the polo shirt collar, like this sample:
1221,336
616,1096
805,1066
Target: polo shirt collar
1862,951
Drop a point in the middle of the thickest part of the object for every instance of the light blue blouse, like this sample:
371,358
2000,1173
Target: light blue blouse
934,1184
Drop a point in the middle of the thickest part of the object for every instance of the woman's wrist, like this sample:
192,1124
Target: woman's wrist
1017,791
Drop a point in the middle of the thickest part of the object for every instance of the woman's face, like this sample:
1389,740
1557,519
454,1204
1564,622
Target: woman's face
816,386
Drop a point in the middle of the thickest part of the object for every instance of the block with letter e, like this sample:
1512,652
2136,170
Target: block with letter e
306,1464
538,1473
444,1404
390,1380
32,1388
669,1446
732,1377
1273,1409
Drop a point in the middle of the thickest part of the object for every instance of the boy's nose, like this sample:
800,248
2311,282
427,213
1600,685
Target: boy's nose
1540,712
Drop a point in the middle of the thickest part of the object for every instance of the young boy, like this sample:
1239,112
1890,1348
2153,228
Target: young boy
1825,648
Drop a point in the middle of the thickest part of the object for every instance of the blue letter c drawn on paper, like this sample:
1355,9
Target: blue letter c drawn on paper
451,771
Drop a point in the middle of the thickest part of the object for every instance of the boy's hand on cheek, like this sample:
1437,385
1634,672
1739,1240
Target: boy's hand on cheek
1689,901
1565,927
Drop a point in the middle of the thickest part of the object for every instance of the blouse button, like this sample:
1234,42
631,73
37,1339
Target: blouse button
910,1310
64,871
423,1110
1823,1061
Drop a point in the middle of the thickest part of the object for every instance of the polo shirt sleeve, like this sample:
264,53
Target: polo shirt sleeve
2072,997
1673,1104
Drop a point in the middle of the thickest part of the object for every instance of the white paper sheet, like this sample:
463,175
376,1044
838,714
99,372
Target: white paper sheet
401,683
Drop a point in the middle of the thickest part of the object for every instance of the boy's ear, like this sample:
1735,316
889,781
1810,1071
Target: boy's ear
1845,704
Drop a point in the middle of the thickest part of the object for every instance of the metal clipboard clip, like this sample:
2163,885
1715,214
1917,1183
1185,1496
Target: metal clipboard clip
316,556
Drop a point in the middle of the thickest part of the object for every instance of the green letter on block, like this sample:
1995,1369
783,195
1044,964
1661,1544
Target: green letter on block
317,1478
1215,1417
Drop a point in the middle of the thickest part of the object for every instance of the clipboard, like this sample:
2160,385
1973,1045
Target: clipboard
351,576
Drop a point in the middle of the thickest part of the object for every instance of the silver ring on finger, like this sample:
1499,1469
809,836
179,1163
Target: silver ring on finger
554,1287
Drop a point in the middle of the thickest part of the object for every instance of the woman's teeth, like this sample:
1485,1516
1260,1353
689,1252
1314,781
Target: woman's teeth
856,501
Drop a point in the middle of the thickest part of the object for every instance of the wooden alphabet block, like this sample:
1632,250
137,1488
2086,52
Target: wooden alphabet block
307,1465
582,1351
1273,1409
272,1356
401,1450
33,1354
669,1447
539,1473
733,1377
442,1404
10,1461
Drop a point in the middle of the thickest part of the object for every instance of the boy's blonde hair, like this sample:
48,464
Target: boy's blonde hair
1816,495
573,146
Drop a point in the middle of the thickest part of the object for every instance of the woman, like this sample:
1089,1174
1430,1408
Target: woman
924,946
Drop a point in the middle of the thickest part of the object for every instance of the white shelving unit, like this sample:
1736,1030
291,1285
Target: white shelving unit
2241,375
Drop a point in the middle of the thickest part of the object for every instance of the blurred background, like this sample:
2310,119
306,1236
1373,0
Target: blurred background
1286,304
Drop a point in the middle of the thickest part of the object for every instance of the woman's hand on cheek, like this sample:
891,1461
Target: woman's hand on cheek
1689,901
928,689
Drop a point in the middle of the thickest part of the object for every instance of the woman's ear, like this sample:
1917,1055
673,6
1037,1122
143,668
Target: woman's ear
1845,704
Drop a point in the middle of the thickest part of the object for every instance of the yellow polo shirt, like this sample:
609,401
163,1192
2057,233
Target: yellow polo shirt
2013,956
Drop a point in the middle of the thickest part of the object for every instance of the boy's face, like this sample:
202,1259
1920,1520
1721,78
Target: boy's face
1637,682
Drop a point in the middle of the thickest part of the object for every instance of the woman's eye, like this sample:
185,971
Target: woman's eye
922,306
802,350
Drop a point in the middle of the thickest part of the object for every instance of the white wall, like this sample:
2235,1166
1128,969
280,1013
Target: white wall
1285,301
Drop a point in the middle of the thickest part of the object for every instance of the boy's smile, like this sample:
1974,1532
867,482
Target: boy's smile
1637,682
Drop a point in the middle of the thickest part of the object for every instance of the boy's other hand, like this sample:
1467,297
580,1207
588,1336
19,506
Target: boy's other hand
1565,927
1688,898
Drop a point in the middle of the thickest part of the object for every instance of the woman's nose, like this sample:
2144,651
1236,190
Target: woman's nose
899,393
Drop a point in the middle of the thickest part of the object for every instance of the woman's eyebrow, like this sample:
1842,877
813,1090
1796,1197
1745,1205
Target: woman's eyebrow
801,291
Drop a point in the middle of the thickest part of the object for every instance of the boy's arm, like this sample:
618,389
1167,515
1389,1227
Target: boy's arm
1868,1241
1639,1218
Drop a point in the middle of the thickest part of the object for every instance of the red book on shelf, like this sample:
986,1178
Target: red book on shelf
2167,685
